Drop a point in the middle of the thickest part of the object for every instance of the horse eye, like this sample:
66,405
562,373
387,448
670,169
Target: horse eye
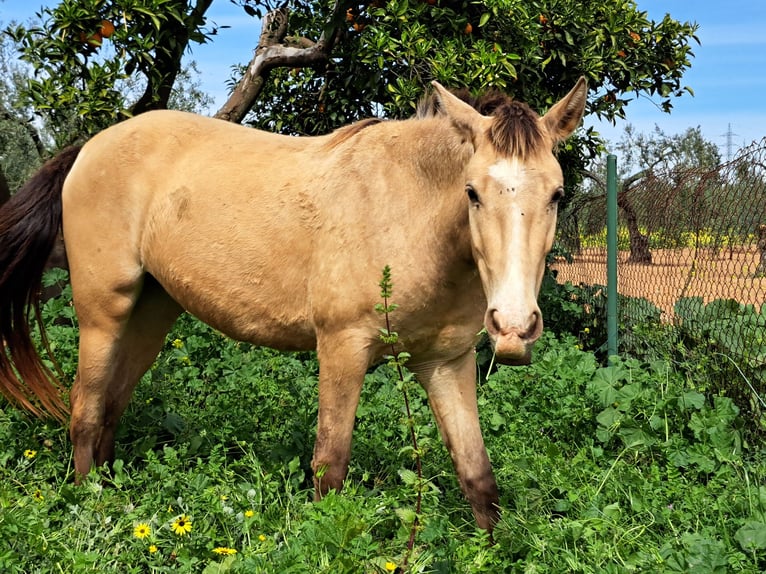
557,195
473,197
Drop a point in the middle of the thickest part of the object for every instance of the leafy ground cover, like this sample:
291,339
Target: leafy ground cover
632,467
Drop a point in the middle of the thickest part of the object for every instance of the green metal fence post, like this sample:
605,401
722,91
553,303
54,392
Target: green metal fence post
611,254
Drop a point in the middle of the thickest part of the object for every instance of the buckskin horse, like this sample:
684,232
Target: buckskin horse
280,241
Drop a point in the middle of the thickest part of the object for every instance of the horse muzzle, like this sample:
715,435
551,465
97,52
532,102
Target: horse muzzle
513,340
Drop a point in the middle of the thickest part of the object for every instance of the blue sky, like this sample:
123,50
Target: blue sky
728,73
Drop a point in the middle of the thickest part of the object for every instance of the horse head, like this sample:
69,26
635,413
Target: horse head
513,185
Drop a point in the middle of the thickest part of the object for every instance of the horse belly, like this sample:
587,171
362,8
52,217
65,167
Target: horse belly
247,286
243,307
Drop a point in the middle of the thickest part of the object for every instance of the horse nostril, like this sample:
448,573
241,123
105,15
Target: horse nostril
535,326
492,322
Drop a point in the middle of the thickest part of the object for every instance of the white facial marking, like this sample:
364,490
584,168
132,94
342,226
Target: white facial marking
509,174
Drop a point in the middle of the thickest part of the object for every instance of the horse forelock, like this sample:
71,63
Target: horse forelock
515,130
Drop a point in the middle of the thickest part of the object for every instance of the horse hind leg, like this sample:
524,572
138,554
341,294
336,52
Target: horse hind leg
115,350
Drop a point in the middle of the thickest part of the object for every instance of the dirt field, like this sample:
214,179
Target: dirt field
674,273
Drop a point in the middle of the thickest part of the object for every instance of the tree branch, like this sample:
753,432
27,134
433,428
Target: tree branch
595,178
276,50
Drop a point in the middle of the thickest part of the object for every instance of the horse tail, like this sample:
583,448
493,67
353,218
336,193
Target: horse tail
29,224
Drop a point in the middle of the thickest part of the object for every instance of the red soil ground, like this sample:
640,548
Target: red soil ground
674,273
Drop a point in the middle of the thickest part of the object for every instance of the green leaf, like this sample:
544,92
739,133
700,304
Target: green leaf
692,399
224,566
636,438
609,417
497,421
408,476
603,389
484,19
406,515
752,536
612,511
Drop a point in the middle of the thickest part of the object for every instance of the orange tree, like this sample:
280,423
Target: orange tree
388,50
342,60
89,56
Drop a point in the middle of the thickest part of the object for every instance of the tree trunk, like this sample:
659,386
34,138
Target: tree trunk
5,191
639,243
167,62
760,271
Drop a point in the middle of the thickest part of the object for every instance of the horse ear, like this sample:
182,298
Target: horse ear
463,116
564,117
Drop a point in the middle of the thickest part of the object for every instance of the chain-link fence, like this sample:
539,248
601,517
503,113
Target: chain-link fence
692,256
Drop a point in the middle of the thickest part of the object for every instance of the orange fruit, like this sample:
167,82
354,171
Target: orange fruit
95,39
468,28
106,29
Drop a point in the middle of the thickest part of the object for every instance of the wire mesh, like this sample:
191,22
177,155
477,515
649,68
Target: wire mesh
692,248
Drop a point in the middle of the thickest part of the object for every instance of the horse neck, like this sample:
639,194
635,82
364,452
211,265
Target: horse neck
441,162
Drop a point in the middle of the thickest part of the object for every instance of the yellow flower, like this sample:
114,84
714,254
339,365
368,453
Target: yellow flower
38,495
249,513
152,549
142,530
178,343
224,551
390,566
30,454
182,525
262,538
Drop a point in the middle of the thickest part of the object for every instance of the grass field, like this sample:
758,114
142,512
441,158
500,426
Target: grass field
634,467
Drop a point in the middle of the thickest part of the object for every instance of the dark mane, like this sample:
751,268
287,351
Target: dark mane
342,134
515,130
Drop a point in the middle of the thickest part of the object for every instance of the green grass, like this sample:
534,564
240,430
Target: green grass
627,468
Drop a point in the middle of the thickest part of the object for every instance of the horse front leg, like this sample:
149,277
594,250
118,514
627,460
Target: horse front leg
343,362
451,388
